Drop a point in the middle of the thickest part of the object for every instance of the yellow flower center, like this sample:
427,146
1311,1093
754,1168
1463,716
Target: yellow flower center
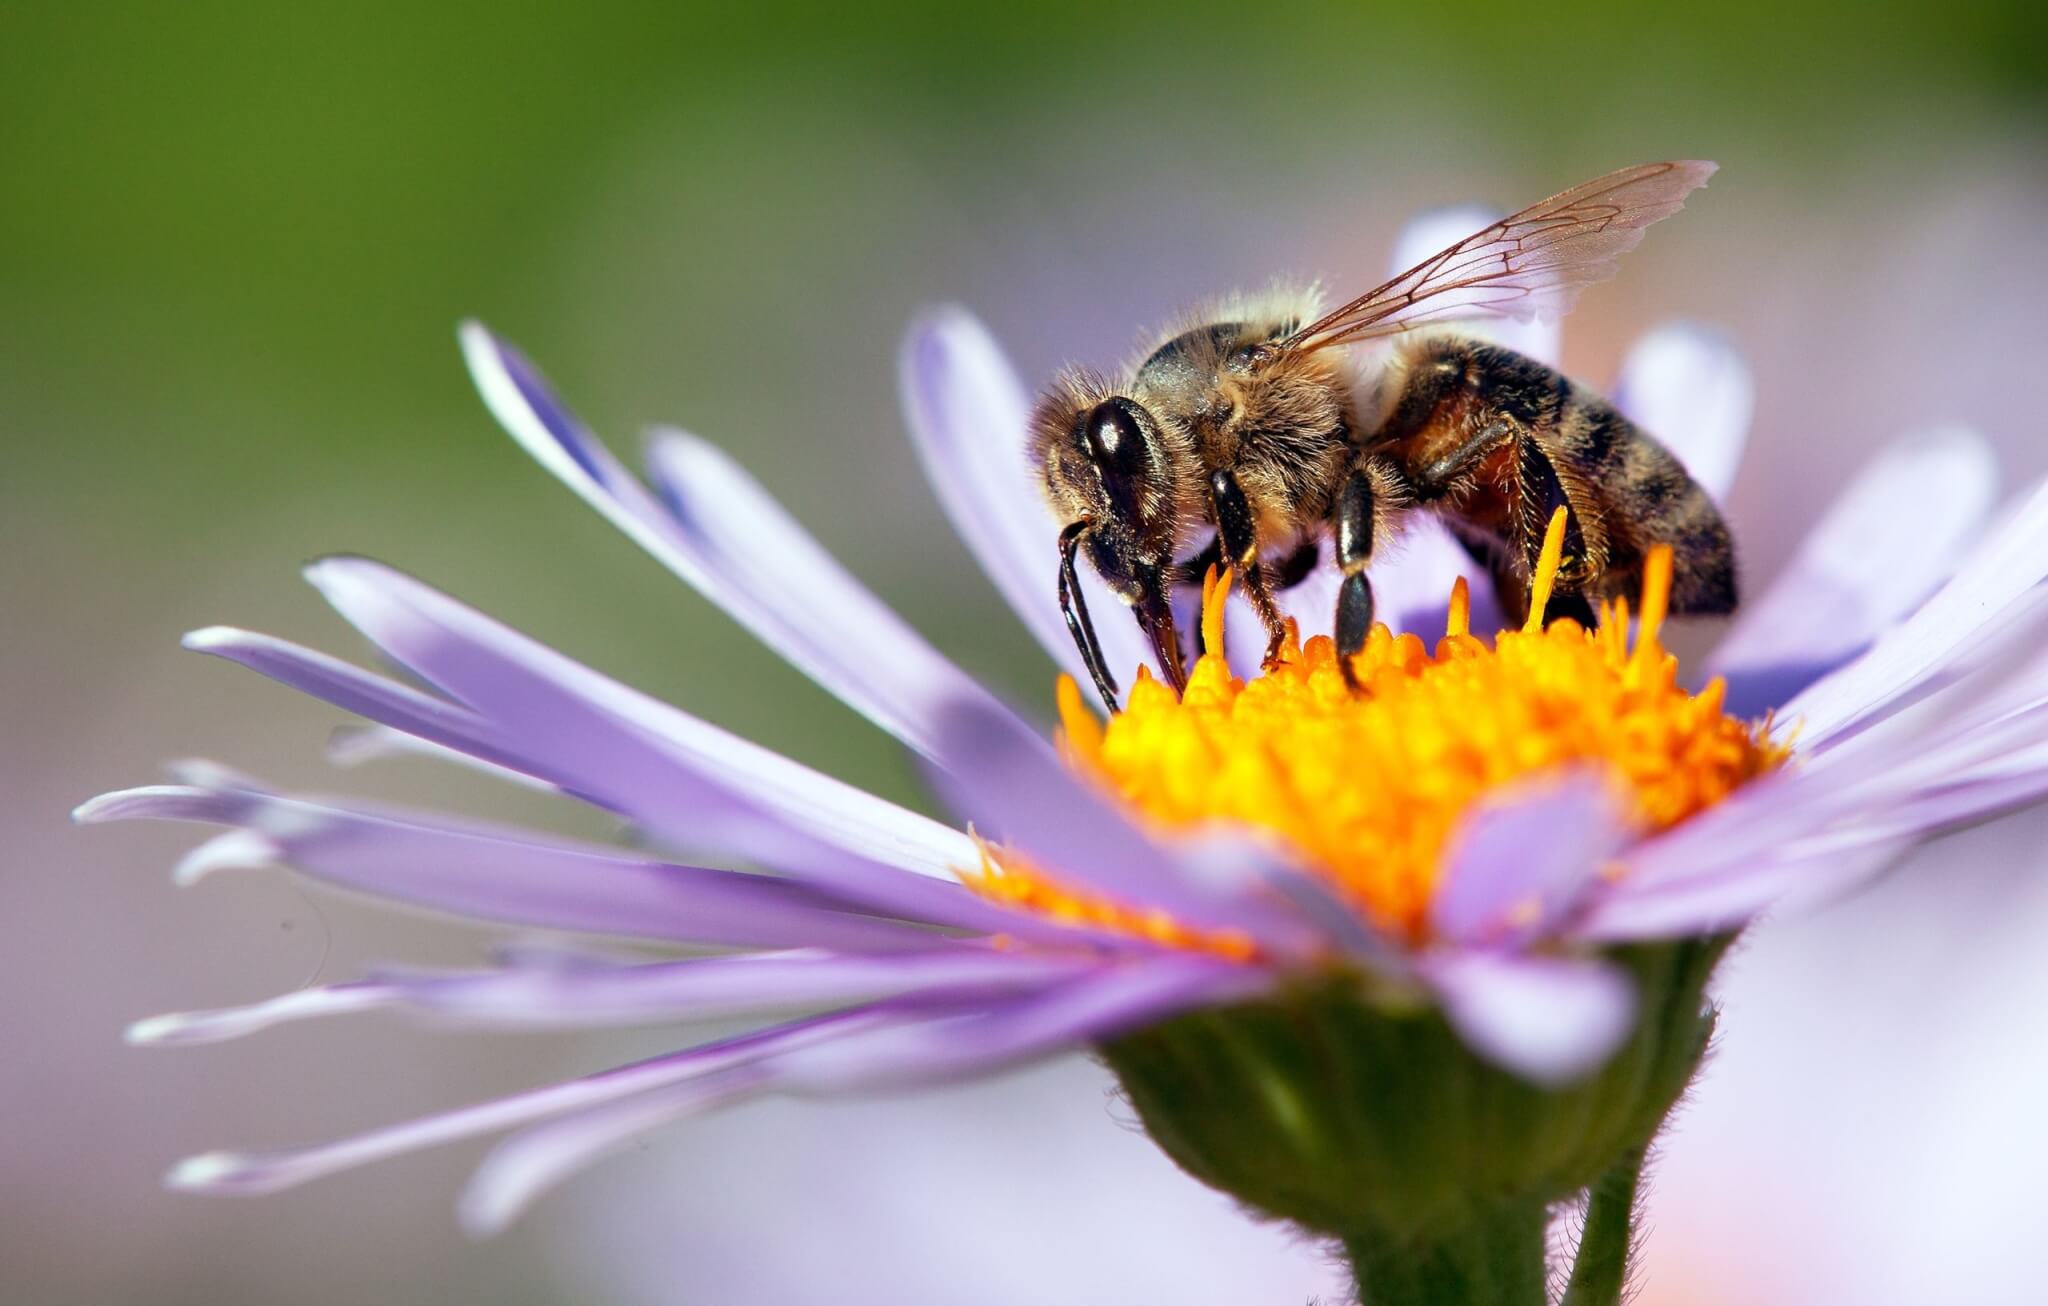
1370,784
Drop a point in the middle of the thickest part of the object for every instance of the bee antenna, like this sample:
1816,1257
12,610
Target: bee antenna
1075,609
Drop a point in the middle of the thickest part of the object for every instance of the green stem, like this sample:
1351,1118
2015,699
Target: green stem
1497,1260
1600,1274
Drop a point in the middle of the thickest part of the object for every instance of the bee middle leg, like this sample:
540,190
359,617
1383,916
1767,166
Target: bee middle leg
1371,491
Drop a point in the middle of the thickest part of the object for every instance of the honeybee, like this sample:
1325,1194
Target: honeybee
1253,428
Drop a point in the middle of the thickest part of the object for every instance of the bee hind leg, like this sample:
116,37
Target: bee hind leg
1540,495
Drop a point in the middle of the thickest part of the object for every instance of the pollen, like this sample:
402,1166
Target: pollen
1370,783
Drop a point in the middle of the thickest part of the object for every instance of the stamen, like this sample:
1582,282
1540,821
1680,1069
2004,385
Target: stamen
1371,784
1215,590
1547,564
1081,729
1656,601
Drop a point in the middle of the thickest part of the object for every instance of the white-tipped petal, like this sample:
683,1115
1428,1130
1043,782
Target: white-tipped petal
1688,386
237,850
222,1024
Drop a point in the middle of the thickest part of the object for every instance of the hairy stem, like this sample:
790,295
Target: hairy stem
1600,1274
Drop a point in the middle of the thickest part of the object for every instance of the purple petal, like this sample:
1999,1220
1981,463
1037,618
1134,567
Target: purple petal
668,769
352,689
1024,797
893,1054
1111,1001
1858,572
1982,595
736,547
500,873
1710,904
589,994
1548,1019
520,1169
760,565
1436,230
223,1023
356,744
585,996
967,413
1521,862
1689,388
1822,831
250,1173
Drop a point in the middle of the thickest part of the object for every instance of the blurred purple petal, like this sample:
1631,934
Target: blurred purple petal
1860,568
224,1023
967,413
1984,591
871,660
894,1054
253,1173
1688,386
1549,1019
1520,861
1731,897
592,995
758,563
704,988
499,873
1111,1001
519,1170
353,745
1028,799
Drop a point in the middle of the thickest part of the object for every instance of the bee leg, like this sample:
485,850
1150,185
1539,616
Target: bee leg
1375,484
1541,495
1240,539
1075,609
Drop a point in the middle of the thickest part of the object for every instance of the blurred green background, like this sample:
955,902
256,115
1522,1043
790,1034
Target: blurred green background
235,238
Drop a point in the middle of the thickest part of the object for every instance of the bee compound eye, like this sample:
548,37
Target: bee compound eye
1114,439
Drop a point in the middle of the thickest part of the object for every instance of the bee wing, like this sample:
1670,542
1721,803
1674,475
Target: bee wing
1529,264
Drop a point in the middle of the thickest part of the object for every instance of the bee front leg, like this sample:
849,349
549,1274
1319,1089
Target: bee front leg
1373,488
1239,534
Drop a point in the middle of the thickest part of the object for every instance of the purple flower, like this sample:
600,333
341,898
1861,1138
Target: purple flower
1895,651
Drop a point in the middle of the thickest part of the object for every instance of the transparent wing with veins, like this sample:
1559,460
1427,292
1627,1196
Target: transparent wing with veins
1529,264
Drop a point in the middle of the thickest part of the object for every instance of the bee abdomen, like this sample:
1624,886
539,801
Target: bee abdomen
1646,498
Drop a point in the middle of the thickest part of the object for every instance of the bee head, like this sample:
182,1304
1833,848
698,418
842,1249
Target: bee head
1108,476
1107,466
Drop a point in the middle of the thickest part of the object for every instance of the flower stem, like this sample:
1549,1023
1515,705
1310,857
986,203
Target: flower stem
1497,1260
1600,1273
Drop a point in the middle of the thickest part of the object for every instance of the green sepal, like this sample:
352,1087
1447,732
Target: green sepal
1357,1113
